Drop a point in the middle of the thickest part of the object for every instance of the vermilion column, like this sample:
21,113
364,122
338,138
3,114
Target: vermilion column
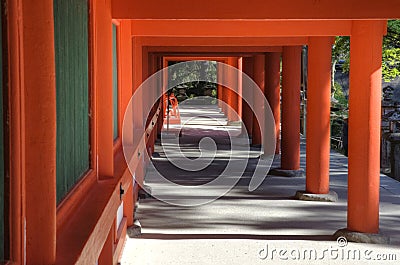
139,73
273,91
291,77
240,87
39,131
219,87
318,114
102,81
364,126
106,255
232,97
224,90
247,114
17,211
160,92
259,79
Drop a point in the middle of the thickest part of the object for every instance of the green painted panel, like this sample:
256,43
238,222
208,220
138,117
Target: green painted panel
72,80
115,81
2,201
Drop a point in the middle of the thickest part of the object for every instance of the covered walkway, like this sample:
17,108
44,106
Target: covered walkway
81,121
234,228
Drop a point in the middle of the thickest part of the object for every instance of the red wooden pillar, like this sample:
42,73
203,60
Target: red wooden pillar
247,113
224,89
231,96
156,93
137,109
39,131
259,79
150,96
220,89
102,82
106,255
291,76
273,91
139,73
240,87
160,92
126,93
17,209
318,114
364,126
126,65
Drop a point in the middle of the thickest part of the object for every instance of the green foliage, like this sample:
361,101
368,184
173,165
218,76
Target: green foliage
204,72
390,63
341,51
390,52
339,95
392,38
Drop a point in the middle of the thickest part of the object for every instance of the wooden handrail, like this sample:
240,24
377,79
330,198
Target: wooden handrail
98,207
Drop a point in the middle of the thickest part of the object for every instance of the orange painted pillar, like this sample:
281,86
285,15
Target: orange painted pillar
129,205
39,132
231,96
247,113
240,87
139,73
126,65
259,79
17,210
126,93
224,99
106,254
234,95
149,99
224,89
364,126
102,81
220,89
291,78
318,114
154,70
273,91
159,93
164,89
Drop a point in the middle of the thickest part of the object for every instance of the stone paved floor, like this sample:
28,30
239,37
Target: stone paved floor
265,226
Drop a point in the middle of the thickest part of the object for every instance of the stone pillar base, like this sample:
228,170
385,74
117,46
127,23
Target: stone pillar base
145,192
286,173
170,134
135,230
234,123
306,196
359,237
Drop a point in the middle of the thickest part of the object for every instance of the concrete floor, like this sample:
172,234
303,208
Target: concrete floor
265,226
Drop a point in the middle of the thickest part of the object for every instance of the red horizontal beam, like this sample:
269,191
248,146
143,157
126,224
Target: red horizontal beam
256,9
185,58
240,28
222,44
207,55
211,51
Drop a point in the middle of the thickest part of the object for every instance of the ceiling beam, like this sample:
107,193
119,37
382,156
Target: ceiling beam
221,44
206,54
240,28
256,9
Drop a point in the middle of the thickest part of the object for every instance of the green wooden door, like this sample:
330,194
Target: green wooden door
115,81
72,81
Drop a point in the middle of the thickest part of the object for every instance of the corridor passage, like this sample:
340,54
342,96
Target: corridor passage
242,227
